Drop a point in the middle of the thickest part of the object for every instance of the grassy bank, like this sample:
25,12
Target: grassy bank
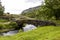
41,33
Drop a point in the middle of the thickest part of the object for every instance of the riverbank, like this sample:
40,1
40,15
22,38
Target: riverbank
41,33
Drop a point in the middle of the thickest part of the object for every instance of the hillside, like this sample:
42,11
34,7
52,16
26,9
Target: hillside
31,9
41,33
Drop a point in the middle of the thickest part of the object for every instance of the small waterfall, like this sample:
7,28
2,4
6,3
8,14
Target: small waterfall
29,27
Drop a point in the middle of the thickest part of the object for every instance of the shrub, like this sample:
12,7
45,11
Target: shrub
13,25
8,26
1,26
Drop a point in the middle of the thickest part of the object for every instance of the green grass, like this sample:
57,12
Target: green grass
3,20
41,33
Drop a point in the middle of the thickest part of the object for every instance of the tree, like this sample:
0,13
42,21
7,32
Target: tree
1,11
54,5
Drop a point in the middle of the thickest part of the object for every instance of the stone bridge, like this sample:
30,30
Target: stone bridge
34,22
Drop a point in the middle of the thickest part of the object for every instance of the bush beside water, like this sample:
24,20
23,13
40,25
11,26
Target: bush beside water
3,20
11,25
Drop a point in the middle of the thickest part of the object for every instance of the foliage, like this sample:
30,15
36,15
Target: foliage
41,33
1,13
51,10
8,26
1,10
13,25
3,20
1,26
42,13
54,5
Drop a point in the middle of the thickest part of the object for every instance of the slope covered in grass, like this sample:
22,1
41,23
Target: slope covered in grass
41,33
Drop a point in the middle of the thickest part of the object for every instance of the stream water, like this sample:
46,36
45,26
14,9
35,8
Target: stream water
10,33
27,27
